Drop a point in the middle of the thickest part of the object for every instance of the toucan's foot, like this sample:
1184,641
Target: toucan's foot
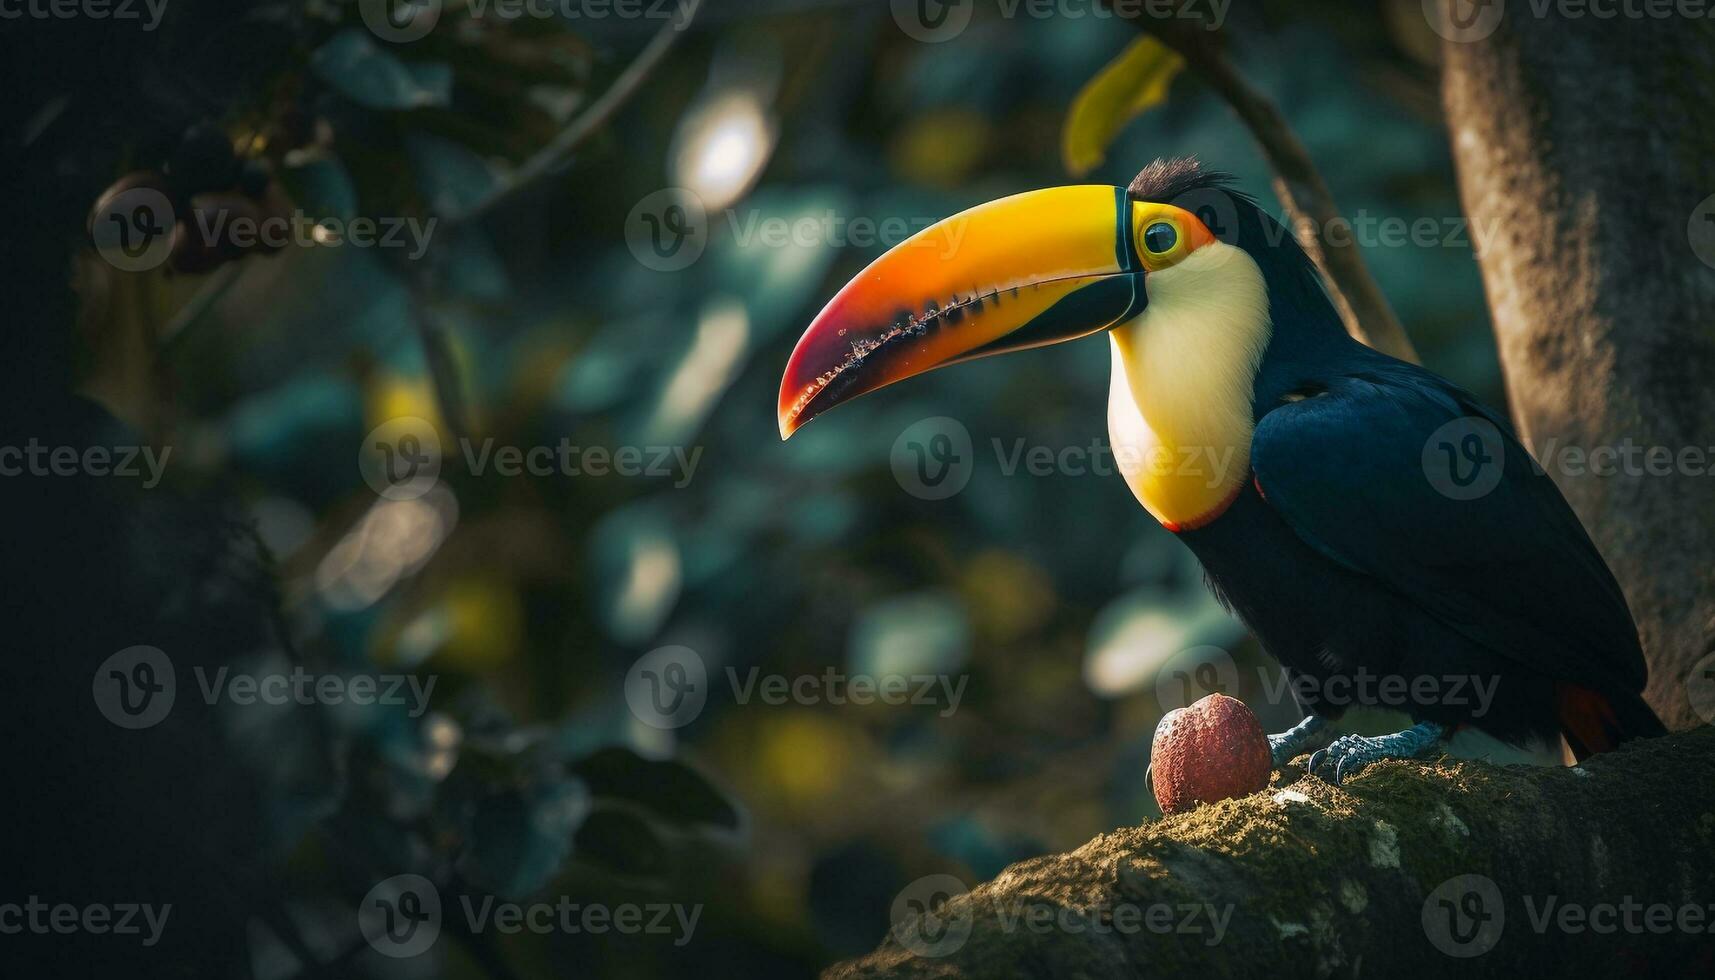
1350,753
1284,747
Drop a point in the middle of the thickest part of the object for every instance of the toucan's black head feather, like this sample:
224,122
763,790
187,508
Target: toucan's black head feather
1165,180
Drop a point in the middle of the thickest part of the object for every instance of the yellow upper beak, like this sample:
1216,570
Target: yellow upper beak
1028,270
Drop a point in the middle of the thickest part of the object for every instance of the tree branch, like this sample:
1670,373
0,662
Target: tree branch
558,151
1309,205
449,390
1306,879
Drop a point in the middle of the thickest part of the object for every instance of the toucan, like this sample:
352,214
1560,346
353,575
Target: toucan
1374,518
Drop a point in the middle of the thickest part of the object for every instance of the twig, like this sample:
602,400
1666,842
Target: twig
210,293
1299,184
558,150
450,398
449,392
1309,205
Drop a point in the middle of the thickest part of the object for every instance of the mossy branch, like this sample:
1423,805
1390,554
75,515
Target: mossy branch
1606,869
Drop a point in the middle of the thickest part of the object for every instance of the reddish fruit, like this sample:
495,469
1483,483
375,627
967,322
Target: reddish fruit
1213,750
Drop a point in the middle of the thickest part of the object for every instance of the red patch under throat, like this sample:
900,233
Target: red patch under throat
1586,720
1207,518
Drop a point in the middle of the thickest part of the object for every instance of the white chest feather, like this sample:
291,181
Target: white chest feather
1179,406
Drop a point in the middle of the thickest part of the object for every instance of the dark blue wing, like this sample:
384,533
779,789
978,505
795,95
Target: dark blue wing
1400,475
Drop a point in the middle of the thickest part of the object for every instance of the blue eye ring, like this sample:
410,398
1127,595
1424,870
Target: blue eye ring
1160,237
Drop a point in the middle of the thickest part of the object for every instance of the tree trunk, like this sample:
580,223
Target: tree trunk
1413,869
1587,167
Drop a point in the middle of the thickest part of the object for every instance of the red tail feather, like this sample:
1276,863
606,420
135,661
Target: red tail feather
1592,723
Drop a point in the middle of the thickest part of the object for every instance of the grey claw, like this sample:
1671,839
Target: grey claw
1340,769
1316,759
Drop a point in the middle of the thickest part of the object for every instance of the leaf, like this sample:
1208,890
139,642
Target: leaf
443,366
321,187
621,841
918,633
473,268
451,177
1128,86
636,554
670,789
364,73
520,838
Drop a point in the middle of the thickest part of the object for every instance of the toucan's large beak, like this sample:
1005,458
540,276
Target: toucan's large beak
1024,271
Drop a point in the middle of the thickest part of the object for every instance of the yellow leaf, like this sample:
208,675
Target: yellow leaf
394,396
1131,84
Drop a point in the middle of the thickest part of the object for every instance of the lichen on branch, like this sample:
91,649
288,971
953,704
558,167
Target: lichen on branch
1412,868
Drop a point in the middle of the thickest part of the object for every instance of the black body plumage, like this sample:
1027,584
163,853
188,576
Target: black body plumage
1346,552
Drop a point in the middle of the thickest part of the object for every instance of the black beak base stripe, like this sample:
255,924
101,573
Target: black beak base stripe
1125,250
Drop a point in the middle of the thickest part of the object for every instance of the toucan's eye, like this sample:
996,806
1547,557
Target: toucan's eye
1160,237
